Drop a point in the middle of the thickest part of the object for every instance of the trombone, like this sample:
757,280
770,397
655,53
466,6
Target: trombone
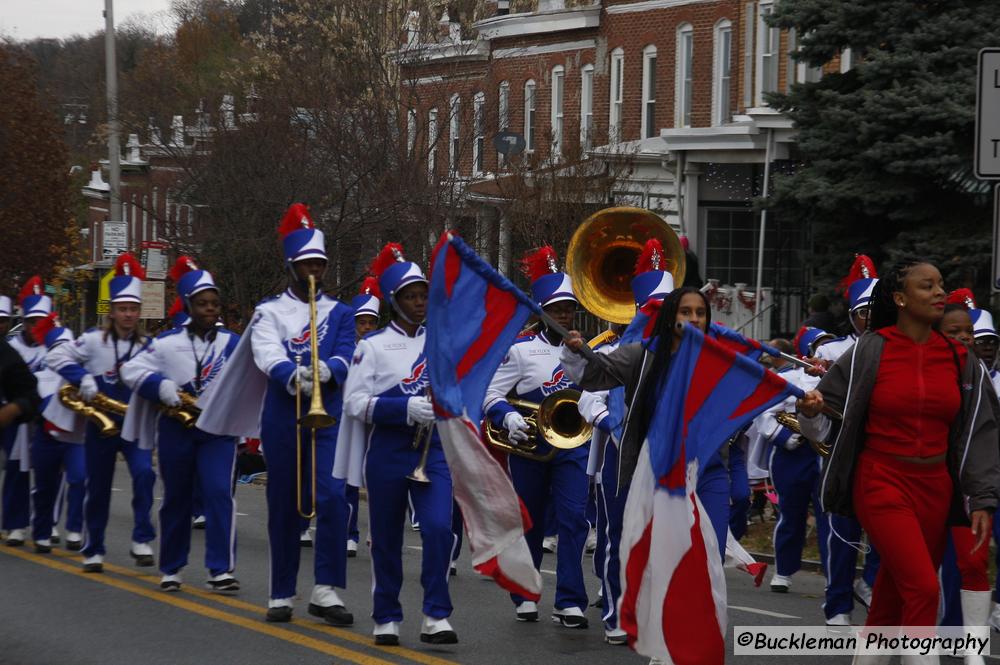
316,418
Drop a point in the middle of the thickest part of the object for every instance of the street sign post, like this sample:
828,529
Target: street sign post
115,236
153,297
987,162
154,258
995,281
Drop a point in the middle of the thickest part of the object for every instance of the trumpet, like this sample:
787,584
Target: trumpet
422,437
97,411
791,421
316,418
556,420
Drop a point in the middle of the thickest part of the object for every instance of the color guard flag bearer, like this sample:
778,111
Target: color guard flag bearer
15,441
673,603
186,360
92,363
255,396
473,317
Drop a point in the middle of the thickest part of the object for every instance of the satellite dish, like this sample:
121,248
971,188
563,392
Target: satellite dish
509,143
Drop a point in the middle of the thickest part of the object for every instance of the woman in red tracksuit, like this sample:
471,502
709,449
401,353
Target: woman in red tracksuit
916,449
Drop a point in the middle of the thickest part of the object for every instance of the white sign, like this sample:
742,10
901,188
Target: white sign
153,300
115,239
987,163
996,239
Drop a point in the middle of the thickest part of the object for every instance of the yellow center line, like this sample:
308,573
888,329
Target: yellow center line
197,608
340,633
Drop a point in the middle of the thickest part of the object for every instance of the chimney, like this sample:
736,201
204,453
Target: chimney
227,109
412,25
503,7
177,127
96,181
551,5
133,149
444,26
154,133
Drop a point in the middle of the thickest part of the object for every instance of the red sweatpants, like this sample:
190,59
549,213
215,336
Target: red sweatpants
971,566
904,508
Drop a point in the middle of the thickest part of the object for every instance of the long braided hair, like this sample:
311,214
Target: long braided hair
883,308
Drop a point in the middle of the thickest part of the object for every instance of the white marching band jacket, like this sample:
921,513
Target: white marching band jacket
34,358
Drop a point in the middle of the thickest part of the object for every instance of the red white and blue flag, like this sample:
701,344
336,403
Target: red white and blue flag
673,604
473,316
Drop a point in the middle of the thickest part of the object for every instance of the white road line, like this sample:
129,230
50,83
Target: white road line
767,613
415,547
549,572
243,514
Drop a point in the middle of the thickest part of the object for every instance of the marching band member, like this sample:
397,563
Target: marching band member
16,507
532,371
900,448
841,555
92,364
57,456
256,394
650,282
795,470
388,430
187,359
367,305
6,311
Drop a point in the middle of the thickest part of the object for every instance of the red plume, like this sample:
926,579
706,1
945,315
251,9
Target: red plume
370,287
391,253
798,336
33,287
44,327
176,308
962,297
541,262
651,257
296,217
863,268
183,266
129,265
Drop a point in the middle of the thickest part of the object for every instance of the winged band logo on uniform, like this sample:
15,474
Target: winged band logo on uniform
111,376
300,343
418,380
210,371
557,382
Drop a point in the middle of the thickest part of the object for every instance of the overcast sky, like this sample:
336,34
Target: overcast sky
28,19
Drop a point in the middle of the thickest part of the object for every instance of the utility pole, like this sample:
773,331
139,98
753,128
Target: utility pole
114,151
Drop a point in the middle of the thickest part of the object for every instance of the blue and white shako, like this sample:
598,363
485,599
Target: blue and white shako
807,339
860,282
395,273
190,280
300,239
126,285
651,281
32,299
6,307
548,284
367,302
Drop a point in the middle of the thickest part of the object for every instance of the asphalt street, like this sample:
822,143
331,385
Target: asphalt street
51,612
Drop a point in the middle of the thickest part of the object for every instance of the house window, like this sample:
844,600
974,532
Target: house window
804,73
616,95
454,133
586,106
432,137
722,71
503,107
479,142
684,75
846,60
411,131
558,85
767,55
750,11
529,115
649,91
731,241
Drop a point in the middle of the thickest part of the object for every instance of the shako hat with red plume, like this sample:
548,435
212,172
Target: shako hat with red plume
367,302
177,314
651,280
50,332
859,282
982,320
807,339
190,280
300,238
393,271
548,284
32,299
126,286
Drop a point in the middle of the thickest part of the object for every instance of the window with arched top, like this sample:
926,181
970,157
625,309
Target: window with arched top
722,58
649,91
684,75
556,109
616,95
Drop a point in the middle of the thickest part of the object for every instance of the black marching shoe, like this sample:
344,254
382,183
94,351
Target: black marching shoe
170,583
437,631
279,614
570,617
223,583
527,611
43,546
93,564
142,553
15,538
335,615
387,634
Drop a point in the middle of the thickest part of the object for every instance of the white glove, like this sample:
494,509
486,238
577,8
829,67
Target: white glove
168,393
324,372
517,428
793,442
88,388
419,411
303,377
